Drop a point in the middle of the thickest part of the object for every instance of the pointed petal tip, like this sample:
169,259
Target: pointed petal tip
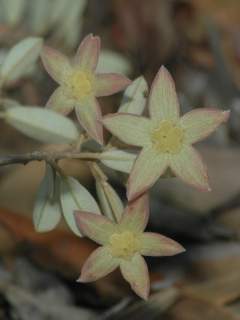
80,280
180,248
163,68
91,37
204,188
144,295
83,279
165,71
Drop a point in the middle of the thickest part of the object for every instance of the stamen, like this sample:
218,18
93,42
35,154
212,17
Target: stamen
79,84
124,245
167,138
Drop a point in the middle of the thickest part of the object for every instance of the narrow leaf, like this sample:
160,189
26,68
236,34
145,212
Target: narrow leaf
135,97
47,209
41,124
111,204
75,197
118,160
20,58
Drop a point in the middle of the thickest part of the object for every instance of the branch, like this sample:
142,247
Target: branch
49,157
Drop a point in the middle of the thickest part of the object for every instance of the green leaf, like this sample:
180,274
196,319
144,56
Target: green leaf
135,97
47,209
20,58
42,124
74,197
110,61
118,160
111,204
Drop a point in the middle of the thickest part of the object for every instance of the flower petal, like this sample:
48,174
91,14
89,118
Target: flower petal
129,128
199,123
89,115
109,83
94,226
88,53
56,64
59,102
163,100
98,265
188,166
154,244
136,214
146,170
135,271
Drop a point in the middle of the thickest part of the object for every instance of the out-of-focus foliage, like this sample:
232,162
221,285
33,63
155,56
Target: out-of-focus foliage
42,124
19,59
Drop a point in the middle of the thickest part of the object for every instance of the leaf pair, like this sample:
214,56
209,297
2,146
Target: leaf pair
59,196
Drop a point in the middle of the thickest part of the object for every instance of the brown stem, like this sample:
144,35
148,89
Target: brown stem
46,156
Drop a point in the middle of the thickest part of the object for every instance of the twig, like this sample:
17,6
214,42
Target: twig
49,157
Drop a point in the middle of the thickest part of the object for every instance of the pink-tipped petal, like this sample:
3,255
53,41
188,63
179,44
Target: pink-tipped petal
110,83
136,214
89,115
131,129
146,170
56,64
94,226
98,265
154,244
59,102
88,53
200,123
135,271
188,166
163,100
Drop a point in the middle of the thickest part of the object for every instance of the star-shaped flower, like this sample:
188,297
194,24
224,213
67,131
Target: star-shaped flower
80,84
123,244
166,138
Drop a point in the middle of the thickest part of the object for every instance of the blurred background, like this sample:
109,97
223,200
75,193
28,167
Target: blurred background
199,42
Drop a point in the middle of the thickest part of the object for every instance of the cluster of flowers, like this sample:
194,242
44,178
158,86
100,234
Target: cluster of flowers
165,140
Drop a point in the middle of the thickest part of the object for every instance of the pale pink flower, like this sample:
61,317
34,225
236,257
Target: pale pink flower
79,84
166,138
123,244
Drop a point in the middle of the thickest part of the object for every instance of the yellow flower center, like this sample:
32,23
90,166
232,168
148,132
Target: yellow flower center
124,244
79,84
167,138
